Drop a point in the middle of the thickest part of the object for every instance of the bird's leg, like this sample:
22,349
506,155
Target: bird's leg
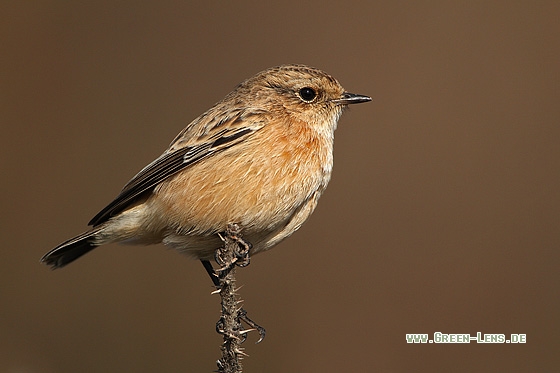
210,270
239,247
241,259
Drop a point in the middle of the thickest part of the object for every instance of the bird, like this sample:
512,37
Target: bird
260,158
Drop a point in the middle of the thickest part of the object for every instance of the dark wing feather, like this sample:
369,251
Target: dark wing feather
169,164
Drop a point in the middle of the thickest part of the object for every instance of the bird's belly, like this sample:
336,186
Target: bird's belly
261,193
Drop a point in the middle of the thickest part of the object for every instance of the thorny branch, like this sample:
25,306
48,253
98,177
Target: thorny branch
234,253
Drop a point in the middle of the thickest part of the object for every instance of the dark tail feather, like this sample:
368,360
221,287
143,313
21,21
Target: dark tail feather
70,250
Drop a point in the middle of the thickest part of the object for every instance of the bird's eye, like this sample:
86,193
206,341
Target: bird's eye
307,94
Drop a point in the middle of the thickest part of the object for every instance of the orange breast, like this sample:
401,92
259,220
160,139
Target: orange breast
258,183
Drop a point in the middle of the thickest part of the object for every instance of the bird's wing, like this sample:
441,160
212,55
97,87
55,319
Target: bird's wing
222,135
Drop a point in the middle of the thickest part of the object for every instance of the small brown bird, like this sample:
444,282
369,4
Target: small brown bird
260,158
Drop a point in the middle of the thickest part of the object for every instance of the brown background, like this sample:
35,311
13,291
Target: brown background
442,215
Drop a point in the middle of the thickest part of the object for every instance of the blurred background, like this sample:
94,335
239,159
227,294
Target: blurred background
443,213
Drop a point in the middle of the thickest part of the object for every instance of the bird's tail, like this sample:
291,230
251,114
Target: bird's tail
71,250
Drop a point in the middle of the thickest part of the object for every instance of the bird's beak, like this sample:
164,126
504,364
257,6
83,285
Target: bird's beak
351,98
